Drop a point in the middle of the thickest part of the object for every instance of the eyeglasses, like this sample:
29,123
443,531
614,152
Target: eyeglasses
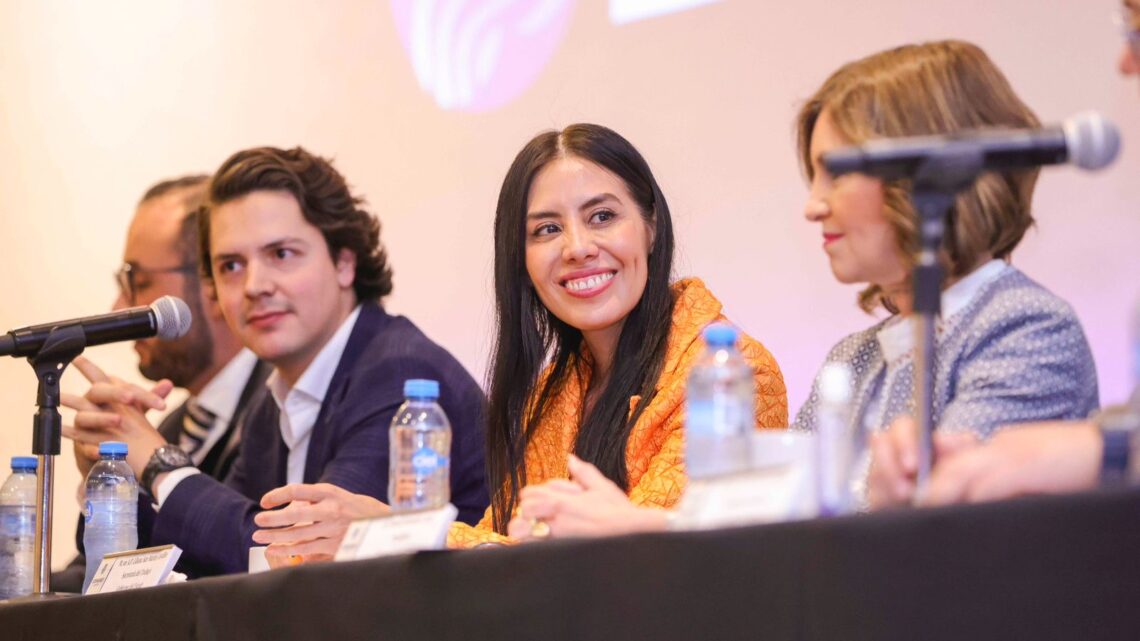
127,274
1127,20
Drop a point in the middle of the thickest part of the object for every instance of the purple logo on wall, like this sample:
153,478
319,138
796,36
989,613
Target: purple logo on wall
477,55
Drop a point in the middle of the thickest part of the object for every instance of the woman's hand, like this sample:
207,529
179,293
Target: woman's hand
587,505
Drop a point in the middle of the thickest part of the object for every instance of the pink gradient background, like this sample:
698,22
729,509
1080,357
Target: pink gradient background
100,100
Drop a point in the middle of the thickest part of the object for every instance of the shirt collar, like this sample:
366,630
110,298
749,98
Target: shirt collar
962,293
223,393
896,338
315,380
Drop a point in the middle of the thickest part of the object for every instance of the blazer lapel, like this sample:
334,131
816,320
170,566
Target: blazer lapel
369,323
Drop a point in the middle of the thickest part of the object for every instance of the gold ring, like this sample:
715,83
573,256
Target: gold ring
539,529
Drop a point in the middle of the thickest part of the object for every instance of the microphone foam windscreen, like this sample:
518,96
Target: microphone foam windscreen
172,316
1092,139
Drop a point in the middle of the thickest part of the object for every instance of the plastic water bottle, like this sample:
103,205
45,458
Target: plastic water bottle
420,442
111,508
720,408
18,528
835,441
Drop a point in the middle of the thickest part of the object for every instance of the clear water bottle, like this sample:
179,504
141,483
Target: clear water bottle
18,528
836,441
110,511
420,442
720,408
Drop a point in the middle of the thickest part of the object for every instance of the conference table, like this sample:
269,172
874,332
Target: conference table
1035,568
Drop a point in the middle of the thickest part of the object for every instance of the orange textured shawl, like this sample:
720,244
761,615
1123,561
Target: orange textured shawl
655,450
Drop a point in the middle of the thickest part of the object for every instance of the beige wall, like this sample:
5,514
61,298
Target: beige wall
98,100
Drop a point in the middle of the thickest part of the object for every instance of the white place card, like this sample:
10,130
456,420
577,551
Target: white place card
143,568
397,533
779,487
768,495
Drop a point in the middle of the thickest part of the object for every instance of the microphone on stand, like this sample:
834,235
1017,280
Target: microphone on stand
1087,140
167,318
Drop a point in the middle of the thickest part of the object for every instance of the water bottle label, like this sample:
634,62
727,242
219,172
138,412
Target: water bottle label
700,417
719,417
426,460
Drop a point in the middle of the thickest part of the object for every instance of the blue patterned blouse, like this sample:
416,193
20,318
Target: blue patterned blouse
1007,351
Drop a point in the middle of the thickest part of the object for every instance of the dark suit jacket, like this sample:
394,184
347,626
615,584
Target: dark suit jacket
217,464
213,522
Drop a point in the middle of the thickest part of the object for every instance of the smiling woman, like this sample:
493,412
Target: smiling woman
594,343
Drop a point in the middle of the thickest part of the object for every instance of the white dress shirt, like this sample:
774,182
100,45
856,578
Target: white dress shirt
298,407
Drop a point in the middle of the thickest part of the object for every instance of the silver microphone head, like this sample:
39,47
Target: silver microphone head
1093,140
172,316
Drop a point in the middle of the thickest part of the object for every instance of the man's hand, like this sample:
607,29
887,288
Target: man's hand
587,505
86,456
1041,458
313,521
114,410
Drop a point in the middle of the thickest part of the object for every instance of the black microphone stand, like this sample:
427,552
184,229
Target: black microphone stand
936,182
63,344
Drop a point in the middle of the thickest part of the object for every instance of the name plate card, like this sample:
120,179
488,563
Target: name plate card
143,568
776,493
397,533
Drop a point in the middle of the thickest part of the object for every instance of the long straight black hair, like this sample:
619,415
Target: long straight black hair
528,336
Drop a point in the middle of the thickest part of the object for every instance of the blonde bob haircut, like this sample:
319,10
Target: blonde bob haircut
929,89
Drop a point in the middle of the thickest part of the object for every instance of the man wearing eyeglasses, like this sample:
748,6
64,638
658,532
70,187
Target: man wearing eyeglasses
160,258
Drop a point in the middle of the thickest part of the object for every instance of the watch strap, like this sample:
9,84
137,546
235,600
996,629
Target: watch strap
159,464
1120,430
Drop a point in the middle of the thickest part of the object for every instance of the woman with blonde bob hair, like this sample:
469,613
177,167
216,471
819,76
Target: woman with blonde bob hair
1007,350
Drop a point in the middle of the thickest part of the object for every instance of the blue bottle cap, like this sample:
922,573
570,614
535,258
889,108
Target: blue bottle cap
24,463
421,388
720,335
112,448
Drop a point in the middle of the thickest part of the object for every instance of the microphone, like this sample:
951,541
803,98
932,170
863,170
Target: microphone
1087,140
167,318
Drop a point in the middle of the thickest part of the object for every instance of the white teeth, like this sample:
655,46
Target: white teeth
588,283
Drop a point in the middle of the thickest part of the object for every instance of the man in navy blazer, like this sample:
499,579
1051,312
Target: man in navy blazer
298,270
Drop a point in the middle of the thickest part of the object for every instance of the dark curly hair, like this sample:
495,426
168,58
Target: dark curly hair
325,201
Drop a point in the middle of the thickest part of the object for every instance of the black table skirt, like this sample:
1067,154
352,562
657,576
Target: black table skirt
1043,568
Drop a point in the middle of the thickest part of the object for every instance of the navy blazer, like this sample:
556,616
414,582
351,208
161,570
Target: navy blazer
212,521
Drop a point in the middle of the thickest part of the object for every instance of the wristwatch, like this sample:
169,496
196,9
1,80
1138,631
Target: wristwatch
1120,429
166,458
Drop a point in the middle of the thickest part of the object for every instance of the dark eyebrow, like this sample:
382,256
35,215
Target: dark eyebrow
599,199
222,258
542,215
593,202
282,242
270,246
